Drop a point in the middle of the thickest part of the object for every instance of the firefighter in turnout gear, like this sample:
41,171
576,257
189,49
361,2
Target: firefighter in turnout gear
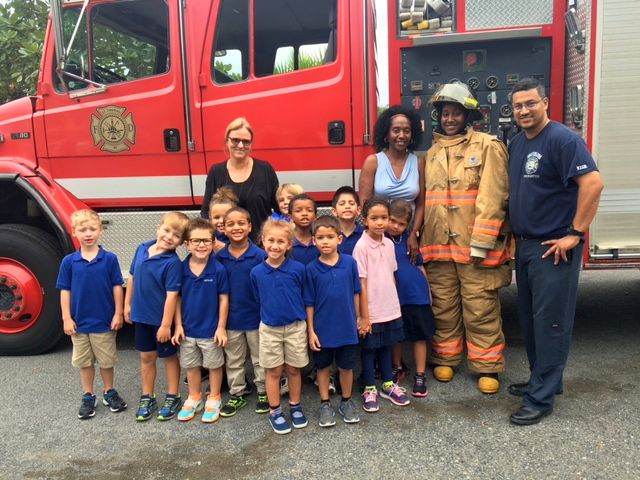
465,238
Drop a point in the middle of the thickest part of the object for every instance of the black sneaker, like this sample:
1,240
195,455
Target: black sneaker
262,405
114,401
170,407
419,389
88,406
232,406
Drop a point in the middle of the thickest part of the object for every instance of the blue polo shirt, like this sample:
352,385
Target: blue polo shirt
543,196
412,285
349,242
330,290
303,253
153,277
244,309
91,286
279,291
222,237
200,302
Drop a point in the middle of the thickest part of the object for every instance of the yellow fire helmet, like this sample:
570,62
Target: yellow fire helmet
456,92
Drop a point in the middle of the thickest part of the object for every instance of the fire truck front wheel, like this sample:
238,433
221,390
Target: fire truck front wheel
30,321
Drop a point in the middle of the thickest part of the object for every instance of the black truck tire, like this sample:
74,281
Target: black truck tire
32,253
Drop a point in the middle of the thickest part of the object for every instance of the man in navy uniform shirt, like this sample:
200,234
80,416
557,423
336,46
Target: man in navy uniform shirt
554,193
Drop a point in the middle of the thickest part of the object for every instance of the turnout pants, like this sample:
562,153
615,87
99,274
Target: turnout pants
546,309
238,341
466,305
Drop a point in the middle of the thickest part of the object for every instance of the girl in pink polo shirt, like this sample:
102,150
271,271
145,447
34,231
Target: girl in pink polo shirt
380,322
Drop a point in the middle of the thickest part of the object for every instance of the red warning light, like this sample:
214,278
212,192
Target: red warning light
472,59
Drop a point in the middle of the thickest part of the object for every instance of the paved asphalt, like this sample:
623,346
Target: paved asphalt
457,432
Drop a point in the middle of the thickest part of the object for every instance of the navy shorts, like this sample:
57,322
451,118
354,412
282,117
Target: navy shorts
146,341
344,356
418,322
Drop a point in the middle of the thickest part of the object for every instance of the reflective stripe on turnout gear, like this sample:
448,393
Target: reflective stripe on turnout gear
450,348
463,254
492,353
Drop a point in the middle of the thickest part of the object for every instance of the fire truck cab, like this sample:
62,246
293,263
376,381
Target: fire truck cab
131,108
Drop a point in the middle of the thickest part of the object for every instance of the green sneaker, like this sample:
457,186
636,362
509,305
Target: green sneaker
232,406
262,406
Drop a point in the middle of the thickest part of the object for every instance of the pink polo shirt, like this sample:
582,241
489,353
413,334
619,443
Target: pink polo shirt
377,262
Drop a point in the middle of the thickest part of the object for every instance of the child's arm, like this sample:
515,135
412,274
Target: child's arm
356,302
314,341
164,332
424,272
178,329
364,323
220,336
128,296
118,298
65,305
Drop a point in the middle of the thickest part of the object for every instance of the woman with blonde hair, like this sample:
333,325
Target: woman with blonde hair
253,181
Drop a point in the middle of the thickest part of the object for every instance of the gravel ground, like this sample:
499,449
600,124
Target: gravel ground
455,433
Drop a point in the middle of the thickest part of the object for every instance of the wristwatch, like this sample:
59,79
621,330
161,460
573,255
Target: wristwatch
574,232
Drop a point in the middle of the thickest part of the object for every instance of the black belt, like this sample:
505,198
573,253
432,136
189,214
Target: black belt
551,236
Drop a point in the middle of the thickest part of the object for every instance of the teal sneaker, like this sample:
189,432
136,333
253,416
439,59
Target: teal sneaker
169,407
147,406
212,410
189,409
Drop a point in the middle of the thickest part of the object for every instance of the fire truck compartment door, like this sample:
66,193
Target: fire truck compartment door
616,143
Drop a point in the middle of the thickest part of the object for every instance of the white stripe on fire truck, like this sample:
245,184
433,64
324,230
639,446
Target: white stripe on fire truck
179,186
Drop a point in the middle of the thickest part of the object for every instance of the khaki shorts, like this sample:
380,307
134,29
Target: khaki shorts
280,345
91,347
200,352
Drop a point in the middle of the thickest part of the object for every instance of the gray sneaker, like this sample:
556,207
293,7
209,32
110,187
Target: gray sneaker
327,415
349,411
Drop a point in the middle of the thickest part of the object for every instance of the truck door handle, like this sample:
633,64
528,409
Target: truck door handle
172,140
336,132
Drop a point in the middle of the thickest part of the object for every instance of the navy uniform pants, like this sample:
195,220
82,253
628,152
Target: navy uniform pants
546,310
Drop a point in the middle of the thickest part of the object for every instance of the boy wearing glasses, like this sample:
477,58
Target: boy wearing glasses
201,320
150,304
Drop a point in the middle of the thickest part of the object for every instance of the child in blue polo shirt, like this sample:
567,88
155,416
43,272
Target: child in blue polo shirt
413,293
277,285
90,284
346,208
238,258
222,200
303,211
150,304
331,293
201,319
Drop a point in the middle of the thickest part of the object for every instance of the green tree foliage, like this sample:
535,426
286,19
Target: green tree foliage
22,28
305,60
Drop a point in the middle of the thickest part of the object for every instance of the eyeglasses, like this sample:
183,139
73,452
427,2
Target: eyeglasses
529,105
197,241
236,141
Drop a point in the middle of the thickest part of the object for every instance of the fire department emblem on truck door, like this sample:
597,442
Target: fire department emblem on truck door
113,131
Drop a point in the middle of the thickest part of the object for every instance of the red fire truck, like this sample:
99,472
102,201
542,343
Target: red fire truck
134,95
